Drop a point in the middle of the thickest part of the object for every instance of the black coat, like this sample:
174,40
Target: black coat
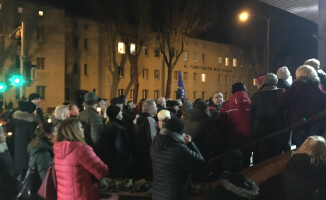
173,161
25,124
303,181
281,83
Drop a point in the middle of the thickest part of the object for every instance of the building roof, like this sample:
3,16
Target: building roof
307,9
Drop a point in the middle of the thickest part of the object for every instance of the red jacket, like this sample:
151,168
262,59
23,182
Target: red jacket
237,109
75,163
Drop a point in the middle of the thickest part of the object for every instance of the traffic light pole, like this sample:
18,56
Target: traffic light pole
22,56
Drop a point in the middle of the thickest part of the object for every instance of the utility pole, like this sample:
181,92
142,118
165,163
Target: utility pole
22,57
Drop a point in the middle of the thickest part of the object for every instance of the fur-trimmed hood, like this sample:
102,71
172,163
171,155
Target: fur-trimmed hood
24,116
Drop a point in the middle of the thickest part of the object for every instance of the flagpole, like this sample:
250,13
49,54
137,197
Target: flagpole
22,56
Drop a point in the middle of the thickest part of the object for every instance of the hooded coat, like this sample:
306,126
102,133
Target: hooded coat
173,162
25,125
75,163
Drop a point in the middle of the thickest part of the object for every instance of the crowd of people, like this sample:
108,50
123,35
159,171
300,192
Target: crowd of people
171,142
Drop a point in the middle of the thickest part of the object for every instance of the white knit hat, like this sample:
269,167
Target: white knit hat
283,73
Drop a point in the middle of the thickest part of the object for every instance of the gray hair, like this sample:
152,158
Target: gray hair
147,105
159,100
61,112
307,71
313,62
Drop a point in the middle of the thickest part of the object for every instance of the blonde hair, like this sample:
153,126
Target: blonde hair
163,115
61,112
306,71
69,129
315,147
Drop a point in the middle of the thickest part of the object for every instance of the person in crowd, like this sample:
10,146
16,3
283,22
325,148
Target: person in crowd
40,148
161,104
130,106
115,144
216,101
61,112
237,111
73,110
163,116
174,157
173,107
179,112
92,120
8,181
313,62
146,129
186,107
124,109
303,100
283,74
304,175
75,164
25,122
268,117
234,184
115,101
36,100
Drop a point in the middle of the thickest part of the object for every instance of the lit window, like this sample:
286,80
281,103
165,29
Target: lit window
226,61
145,94
175,75
120,92
185,76
40,13
20,10
156,94
145,51
145,73
234,62
203,78
195,77
133,49
185,56
157,52
157,74
120,72
122,48
195,56
40,62
220,60
0,6
203,57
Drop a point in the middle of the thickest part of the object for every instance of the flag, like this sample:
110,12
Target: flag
181,92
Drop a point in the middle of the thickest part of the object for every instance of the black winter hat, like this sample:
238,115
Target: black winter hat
238,87
33,96
114,101
27,106
171,103
233,161
200,104
174,124
112,111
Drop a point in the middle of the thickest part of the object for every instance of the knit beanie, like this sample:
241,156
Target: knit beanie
112,111
187,106
238,87
233,161
270,79
200,104
33,96
283,73
174,124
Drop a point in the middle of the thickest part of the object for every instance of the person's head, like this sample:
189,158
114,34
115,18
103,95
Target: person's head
315,147
172,105
130,105
2,135
35,99
115,101
91,99
46,131
174,124
200,104
217,98
270,79
123,99
308,72
161,101
61,112
73,110
232,162
313,62
179,101
27,106
149,106
163,115
238,87
114,112
186,107
283,73
71,129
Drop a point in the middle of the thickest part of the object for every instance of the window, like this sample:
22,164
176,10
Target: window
227,62
145,94
40,13
76,42
120,92
203,57
195,56
40,33
122,48
131,94
76,68
120,71
219,78
85,69
203,78
41,91
185,56
234,62
220,60
67,93
203,95
145,51
157,52
185,76
20,10
85,43
145,73
133,49
85,26
175,75
195,95
40,62
156,94
226,78
157,74
195,77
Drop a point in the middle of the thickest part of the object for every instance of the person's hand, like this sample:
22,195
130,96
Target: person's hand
186,137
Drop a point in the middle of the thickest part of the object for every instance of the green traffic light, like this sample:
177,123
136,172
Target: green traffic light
3,87
16,80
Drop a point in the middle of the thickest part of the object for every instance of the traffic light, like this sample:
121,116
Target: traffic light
3,87
16,80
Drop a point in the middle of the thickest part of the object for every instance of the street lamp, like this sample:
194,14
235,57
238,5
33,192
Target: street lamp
244,16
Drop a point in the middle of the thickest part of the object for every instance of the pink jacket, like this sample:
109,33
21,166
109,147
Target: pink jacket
75,163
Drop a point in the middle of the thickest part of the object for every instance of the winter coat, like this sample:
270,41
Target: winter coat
322,77
25,125
304,99
237,109
281,83
173,161
303,181
41,155
146,129
8,181
90,117
75,163
268,117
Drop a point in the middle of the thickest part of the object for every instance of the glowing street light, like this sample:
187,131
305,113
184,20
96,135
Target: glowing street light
243,16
